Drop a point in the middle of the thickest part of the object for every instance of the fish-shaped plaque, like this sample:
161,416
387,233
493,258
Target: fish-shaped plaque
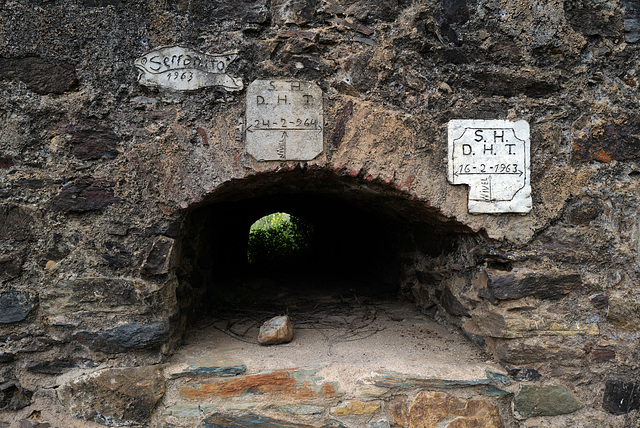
184,69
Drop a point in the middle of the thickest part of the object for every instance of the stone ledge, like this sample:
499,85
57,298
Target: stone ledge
207,366
251,420
302,383
403,381
125,337
101,294
355,408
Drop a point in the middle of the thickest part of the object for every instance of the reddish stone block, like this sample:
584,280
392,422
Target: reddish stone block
203,135
91,140
85,194
339,130
600,355
6,161
301,383
611,139
584,212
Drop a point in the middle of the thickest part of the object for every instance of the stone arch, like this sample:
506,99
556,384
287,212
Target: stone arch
367,231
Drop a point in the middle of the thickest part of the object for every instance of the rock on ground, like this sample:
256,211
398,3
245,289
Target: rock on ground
276,330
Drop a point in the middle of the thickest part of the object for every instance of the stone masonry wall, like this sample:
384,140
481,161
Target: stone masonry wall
99,175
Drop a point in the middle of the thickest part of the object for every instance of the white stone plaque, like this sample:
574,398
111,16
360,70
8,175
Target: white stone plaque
183,69
492,157
284,120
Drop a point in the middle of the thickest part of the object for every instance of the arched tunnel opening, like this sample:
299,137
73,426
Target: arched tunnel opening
358,238
373,270
346,244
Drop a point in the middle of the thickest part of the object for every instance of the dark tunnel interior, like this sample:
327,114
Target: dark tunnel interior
358,235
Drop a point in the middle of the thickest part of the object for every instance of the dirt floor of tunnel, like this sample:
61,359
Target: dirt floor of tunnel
347,330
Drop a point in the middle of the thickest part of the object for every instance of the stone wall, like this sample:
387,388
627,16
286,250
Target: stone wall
106,184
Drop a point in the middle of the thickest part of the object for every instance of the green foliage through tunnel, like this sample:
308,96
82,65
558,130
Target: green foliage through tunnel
279,238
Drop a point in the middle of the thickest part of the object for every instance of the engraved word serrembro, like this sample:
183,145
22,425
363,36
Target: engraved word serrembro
184,69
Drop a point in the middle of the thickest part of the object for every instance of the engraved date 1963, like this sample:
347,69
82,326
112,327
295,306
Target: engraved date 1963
500,168
187,76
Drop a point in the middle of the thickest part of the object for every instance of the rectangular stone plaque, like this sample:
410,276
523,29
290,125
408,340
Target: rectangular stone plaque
284,120
492,157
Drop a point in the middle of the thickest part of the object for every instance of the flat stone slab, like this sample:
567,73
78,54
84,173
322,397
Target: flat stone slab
125,337
189,410
300,383
207,366
549,400
295,409
355,408
196,410
284,120
492,157
519,283
219,420
100,294
403,381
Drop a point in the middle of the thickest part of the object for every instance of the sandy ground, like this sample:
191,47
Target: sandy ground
351,332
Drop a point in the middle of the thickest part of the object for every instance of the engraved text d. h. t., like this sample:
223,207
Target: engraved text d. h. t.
284,120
